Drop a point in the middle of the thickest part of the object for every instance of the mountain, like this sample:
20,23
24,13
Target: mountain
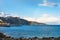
13,21
36,23
16,21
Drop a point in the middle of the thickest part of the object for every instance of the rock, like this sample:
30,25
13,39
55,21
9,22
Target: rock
2,35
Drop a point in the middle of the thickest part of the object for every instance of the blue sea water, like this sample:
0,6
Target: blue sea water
31,31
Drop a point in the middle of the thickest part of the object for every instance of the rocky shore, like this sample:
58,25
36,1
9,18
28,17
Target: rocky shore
4,37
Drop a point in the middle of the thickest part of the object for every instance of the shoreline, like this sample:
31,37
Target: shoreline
4,37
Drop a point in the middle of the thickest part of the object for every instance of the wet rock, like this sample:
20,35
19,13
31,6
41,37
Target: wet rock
57,38
2,35
46,38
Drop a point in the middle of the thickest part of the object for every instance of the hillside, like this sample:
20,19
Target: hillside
36,23
16,21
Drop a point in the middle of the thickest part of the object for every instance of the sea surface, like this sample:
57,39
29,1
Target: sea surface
31,31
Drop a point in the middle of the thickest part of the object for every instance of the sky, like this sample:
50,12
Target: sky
45,11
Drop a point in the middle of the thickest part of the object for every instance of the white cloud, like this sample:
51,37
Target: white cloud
2,14
45,18
48,19
49,4
29,18
13,14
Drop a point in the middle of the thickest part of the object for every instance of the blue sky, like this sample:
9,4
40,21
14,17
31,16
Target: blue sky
32,9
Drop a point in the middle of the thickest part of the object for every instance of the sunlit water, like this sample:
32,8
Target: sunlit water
31,31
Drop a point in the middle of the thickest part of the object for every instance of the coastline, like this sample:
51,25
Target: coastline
4,37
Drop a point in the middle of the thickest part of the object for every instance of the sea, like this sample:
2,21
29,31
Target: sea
27,31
